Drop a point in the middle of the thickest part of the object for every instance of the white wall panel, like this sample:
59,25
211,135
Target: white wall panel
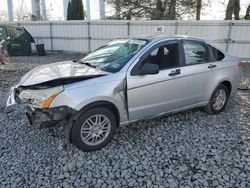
241,31
208,30
40,29
110,30
71,45
72,35
70,30
97,43
148,27
240,50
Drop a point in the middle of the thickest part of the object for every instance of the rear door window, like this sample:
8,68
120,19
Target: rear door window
217,55
196,52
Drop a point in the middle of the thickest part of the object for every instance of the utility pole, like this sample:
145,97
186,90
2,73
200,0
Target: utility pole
35,8
88,9
102,9
43,9
38,9
10,10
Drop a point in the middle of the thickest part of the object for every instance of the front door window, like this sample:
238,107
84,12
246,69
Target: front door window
165,56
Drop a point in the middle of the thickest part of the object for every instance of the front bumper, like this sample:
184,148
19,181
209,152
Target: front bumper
48,116
40,116
12,98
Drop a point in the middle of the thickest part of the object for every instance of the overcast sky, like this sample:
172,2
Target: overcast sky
217,10
55,9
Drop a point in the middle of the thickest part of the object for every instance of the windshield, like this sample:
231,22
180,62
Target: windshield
115,55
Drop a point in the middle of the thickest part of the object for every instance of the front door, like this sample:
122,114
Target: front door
151,95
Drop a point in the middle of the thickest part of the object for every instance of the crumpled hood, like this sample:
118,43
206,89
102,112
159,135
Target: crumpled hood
65,70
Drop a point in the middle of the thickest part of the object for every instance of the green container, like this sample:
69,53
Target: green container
19,42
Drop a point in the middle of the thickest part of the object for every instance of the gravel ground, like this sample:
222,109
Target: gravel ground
188,149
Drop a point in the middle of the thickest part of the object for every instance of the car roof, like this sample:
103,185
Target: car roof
167,37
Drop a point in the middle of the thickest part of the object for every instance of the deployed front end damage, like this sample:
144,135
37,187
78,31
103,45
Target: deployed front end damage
38,98
38,101
48,116
41,85
59,91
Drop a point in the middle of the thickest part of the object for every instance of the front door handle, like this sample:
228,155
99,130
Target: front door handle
175,72
211,66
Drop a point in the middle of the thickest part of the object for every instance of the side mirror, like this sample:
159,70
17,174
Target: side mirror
148,68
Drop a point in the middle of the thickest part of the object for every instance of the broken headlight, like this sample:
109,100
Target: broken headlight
41,98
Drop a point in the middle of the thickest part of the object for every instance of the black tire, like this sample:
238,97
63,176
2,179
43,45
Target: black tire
210,109
77,127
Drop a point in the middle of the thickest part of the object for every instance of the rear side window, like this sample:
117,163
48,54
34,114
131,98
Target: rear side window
217,54
195,53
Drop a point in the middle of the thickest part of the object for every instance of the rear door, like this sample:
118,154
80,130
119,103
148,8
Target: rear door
151,95
196,72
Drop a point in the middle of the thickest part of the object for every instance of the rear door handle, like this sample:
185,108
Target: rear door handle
175,72
211,66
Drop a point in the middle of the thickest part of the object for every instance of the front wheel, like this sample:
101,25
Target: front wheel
94,129
218,100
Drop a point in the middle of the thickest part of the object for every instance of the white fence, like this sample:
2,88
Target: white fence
83,36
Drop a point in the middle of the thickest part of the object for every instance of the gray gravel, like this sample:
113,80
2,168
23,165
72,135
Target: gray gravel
188,149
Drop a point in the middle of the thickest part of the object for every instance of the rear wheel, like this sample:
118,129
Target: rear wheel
94,129
218,100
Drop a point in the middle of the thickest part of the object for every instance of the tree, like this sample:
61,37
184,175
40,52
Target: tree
233,7
75,10
186,9
156,9
22,13
117,8
172,10
131,9
69,16
247,16
158,12
237,10
198,9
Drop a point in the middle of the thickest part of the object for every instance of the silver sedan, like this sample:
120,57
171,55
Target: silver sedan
125,81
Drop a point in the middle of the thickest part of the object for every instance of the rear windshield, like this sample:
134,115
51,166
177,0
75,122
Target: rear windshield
115,55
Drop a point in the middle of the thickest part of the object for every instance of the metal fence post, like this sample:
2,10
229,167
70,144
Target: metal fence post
51,36
229,36
128,31
176,28
89,37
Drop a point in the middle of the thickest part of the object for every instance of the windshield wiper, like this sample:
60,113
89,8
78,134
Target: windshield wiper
88,64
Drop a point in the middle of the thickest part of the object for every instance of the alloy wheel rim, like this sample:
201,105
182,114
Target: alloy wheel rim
219,99
95,129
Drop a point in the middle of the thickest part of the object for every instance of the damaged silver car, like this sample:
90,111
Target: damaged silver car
125,81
